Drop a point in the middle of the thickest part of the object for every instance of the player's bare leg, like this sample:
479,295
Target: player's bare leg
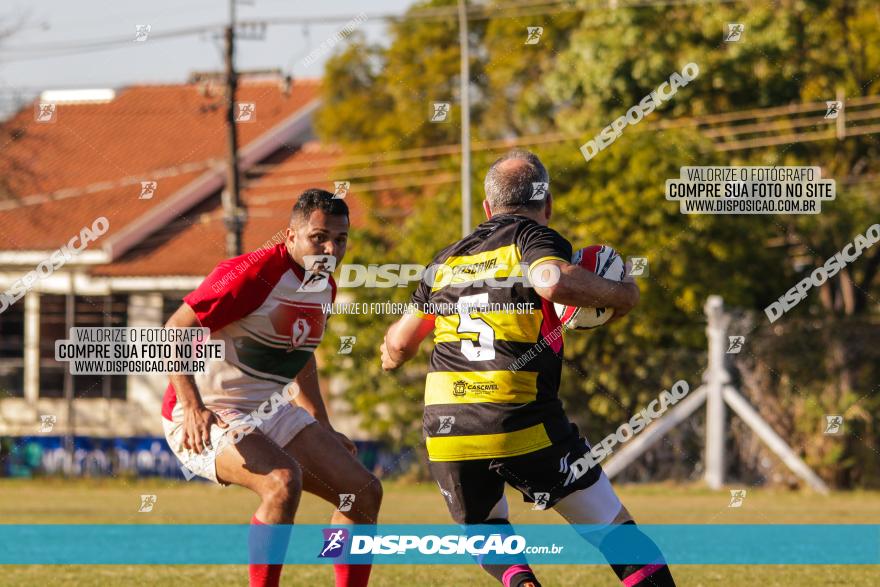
263,467
329,471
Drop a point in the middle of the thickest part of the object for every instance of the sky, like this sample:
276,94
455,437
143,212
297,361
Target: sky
163,60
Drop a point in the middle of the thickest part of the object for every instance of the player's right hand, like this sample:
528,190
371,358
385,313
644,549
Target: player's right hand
197,428
632,299
388,364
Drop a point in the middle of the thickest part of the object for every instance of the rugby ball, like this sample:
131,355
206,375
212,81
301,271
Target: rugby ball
604,262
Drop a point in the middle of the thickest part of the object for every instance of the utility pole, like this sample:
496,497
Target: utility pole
234,215
465,119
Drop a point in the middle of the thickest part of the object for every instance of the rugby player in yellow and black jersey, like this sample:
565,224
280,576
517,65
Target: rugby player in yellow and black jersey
492,413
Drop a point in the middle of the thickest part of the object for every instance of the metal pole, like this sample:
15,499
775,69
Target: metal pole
715,378
233,213
465,120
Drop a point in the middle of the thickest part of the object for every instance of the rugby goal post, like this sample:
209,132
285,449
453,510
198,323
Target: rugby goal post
717,393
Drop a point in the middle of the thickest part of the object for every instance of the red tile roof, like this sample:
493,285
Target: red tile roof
197,244
91,161
59,177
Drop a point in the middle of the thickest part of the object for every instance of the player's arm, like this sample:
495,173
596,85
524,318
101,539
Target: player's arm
576,286
213,307
309,398
197,419
403,339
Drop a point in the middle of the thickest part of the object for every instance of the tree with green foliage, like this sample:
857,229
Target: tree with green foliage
589,67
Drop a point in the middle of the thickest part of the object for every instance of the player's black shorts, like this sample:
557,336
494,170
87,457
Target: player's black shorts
472,488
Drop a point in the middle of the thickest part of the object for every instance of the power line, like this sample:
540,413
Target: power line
519,9
108,42
706,124
715,126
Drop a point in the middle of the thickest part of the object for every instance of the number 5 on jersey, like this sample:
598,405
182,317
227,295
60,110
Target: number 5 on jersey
484,349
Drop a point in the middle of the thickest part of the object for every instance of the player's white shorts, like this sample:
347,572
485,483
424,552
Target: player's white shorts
281,428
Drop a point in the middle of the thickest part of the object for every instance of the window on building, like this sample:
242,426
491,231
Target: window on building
12,351
170,303
88,311
52,312
96,312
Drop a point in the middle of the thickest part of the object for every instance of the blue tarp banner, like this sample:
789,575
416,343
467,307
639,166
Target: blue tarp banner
745,544
141,456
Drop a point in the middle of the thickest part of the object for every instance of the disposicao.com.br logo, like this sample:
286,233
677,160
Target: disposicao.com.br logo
336,540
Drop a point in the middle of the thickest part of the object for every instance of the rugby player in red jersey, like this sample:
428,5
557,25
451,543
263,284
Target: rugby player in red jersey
267,308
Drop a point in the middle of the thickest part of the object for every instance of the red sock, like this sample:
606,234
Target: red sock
262,575
352,575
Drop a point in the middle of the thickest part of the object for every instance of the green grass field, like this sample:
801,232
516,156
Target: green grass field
117,501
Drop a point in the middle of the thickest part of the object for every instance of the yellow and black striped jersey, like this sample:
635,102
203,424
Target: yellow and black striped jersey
492,387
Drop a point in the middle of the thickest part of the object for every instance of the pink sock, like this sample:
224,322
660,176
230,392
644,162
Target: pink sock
512,571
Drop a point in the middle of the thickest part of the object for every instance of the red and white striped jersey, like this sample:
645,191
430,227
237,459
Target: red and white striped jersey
270,327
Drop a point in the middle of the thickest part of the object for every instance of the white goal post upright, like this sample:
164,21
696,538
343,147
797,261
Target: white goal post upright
718,393
715,378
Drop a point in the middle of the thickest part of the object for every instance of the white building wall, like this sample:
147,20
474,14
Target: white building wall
140,415
32,347
145,391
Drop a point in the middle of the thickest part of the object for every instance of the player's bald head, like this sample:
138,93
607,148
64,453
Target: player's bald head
314,199
511,180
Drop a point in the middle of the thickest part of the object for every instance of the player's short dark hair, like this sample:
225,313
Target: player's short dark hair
315,199
511,189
